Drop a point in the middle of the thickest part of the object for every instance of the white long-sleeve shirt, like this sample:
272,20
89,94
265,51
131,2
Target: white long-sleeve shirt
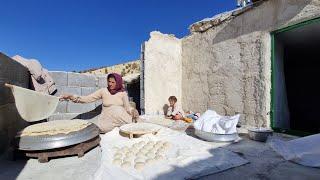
175,110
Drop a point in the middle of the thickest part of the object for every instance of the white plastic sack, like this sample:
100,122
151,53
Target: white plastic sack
304,151
212,122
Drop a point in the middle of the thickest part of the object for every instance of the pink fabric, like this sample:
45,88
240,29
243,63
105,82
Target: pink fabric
119,82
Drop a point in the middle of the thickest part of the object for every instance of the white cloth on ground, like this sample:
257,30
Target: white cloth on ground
304,151
212,122
187,158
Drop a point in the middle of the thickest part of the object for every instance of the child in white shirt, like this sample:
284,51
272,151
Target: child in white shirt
174,111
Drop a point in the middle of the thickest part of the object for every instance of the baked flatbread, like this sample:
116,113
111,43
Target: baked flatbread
55,127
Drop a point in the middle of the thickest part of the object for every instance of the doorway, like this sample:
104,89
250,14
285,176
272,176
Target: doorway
295,78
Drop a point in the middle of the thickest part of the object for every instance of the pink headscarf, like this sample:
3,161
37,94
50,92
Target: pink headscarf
119,82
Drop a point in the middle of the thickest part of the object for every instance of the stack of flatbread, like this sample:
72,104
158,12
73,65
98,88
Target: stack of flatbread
54,127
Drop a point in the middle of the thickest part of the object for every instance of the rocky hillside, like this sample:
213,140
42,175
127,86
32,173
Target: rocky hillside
132,67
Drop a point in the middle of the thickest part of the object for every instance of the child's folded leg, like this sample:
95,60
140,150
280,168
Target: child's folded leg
177,117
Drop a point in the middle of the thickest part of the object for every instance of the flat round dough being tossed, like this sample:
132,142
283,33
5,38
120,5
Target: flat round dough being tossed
55,127
33,106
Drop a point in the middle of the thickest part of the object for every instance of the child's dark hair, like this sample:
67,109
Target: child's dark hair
173,98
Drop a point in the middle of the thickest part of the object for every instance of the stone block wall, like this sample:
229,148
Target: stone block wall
10,121
163,71
77,84
227,67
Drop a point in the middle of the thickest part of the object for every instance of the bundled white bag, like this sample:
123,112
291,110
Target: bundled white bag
212,122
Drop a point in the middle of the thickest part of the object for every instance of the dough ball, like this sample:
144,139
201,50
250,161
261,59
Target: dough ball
157,145
129,154
141,143
148,147
139,159
167,144
117,155
151,143
129,158
144,151
159,157
117,161
136,145
139,166
150,161
141,156
124,149
153,150
116,148
161,150
134,150
126,164
150,155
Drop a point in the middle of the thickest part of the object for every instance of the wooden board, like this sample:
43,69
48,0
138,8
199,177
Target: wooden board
78,149
138,129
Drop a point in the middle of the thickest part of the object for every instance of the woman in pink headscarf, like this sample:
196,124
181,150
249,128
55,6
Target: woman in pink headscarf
116,109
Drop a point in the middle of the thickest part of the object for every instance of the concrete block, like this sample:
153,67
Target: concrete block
87,90
5,94
62,107
90,115
14,73
68,90
64,116
80,108
13,117
81,80
3,121
102,81
3,140
59,77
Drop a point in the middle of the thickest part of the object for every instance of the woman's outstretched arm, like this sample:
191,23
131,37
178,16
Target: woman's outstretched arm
83,99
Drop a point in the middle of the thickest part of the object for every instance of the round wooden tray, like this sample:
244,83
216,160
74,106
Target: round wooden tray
139,129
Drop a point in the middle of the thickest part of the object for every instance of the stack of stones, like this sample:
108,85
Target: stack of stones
77,84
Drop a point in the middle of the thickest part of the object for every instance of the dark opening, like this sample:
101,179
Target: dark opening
297,75
134,92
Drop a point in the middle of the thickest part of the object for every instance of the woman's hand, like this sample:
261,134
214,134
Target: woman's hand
66,97
134,113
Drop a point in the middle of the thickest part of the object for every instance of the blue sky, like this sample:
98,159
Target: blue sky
69,35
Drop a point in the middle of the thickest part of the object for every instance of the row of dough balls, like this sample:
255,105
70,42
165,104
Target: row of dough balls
141,154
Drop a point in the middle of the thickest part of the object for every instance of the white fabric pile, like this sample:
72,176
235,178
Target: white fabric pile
186,158
304,151
212,122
